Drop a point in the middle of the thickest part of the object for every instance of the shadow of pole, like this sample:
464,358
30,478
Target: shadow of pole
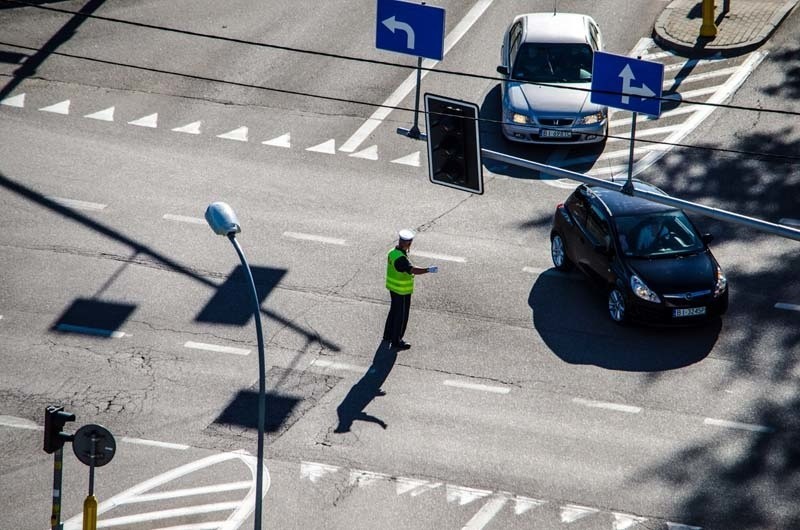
32,63
139,249
362,393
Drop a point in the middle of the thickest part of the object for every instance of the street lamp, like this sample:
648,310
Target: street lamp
222,220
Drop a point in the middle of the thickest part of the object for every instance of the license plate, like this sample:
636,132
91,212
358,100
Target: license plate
550,133
688,312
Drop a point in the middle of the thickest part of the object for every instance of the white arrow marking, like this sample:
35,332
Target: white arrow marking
329,147
627,76
572,512
147,121
192,128
394,25
15,101
313,471
623,521
102,115
240,135
523,504
281,141
370,153
58,108
464,495
408,160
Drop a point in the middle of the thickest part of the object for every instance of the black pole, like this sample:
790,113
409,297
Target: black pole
55,515
414,131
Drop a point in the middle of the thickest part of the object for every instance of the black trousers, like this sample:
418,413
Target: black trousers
397,318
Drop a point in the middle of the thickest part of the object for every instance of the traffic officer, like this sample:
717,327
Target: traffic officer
400,274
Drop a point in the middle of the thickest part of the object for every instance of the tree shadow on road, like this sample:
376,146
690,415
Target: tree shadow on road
367,388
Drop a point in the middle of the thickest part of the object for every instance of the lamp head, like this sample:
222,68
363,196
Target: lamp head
222,219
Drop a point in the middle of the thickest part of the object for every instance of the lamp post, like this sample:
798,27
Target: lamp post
222,220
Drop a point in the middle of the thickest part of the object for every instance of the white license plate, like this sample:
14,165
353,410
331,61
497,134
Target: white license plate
689,312
549,133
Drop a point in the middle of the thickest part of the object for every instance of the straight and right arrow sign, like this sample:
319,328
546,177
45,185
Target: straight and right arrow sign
627,83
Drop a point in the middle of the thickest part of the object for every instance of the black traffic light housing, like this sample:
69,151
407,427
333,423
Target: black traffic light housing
454,150
54,420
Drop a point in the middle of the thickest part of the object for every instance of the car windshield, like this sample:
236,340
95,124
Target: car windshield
553,63
657,234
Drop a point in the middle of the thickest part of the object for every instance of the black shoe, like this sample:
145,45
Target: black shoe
402,345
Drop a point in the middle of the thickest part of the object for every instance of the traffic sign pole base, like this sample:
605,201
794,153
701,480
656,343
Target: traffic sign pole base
412,133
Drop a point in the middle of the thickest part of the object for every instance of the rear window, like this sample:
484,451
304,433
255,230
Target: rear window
553,63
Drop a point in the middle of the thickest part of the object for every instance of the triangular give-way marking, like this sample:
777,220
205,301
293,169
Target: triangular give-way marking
370,153
14,101
523,504
102,115
623,521
148,121
365,478
239,134
328,147
408,160
284,140
314,471
58,108
572,512
464,495
192,128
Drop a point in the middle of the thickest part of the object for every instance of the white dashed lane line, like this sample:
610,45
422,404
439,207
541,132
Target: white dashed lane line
216,348
609,406
184,219
477,386
737,425
312,237
788,307
154,443
443,257
78,205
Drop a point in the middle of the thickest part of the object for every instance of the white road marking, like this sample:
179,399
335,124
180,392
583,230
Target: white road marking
184,219
443,257
155,443
626,122
623,521
14,101
240,134
408,160
312,237
790,222
523,504
209,525
463,495
19,423
328,147
788,307
192,128
604,405
486,513
151,120
323,363
216,348
737,425
641,133
314,471
284,140
102,115
370,153
476,386
374,121
78,205
58,108
533,270
361,478
189,492
722,72
168,514
678,526
414,487
573,512
91,331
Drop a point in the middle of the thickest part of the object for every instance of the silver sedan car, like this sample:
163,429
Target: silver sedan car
543,58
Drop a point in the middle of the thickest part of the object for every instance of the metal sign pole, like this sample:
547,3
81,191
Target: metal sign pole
414,132
58,465
628,187
90,504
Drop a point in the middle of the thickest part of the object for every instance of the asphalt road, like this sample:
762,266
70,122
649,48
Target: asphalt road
519,405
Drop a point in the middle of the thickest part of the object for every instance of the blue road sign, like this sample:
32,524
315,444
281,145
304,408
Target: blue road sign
627,83
414,29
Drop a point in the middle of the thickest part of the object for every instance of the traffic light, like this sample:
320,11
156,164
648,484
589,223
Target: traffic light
454,150
54,420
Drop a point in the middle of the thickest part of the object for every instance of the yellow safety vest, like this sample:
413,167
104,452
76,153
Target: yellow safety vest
396,281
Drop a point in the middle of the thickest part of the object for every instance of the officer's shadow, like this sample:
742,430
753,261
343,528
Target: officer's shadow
368,387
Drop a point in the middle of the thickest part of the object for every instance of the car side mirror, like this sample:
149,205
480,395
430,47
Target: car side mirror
707,238
502,70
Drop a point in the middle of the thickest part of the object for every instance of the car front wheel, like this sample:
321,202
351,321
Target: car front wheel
616,306
558,251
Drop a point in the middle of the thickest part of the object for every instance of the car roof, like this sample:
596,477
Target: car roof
620,204
554,28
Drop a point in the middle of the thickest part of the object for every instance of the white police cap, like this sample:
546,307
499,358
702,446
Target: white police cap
406,234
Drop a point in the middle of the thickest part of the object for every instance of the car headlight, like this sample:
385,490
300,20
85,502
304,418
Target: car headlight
641,290
721,282
591,119
519,118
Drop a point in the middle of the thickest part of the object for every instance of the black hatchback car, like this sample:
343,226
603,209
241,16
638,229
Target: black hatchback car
649,257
